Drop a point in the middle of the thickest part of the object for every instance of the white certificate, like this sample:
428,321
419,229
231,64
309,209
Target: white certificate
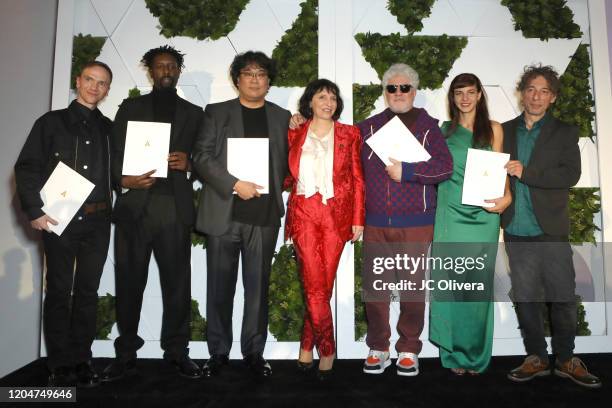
484,178
63,194
395,140
146,148
248,160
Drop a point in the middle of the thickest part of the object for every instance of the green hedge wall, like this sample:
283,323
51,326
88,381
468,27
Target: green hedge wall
296,54
85,48
543,19
285,299
201,19
410,13
432,57
364,98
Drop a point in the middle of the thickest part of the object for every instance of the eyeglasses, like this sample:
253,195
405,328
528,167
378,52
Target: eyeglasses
254,74
404,88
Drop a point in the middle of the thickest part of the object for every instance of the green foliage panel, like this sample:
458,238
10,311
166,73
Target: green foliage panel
197,326
543,19
364,98
85,48
134,93
200,19
285,299
196,237
105,316
575,102
296,54
584,203
432,57
361,325
410,13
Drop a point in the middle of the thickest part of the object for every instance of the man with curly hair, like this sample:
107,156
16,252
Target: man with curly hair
155,215
544,164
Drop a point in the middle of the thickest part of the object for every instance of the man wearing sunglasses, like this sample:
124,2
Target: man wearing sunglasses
400,209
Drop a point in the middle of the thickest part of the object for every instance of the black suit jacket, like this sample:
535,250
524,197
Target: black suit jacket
187,120
55,137
222,121
554,167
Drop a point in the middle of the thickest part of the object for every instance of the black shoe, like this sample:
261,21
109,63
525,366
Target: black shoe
304,367
61,377
213,366
325,375
187,368
86,376
258,365
118,369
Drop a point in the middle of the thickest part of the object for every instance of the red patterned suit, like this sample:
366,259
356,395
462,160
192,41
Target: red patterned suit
319,231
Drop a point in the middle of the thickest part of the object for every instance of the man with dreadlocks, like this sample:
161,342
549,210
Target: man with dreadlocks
155,215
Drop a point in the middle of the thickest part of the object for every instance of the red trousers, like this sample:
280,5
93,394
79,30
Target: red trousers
318,246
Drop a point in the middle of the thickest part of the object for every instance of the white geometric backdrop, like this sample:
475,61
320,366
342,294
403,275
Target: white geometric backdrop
495,52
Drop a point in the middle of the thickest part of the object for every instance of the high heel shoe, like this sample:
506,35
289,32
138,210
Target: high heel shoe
304,367
325,375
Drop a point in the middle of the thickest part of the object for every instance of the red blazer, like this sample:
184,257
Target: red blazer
348,203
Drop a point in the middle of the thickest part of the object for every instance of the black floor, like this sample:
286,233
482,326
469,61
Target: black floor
158,385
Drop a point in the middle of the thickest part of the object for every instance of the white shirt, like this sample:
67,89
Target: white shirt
317,166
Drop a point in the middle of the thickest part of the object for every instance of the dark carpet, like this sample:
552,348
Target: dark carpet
158,385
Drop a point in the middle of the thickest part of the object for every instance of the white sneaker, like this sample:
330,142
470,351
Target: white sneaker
376,362
407,364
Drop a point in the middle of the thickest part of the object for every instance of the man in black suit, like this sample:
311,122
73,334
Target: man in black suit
235,217
78,136
545,163
155,215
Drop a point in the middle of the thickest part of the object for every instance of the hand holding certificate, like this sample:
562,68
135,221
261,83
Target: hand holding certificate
248,160
63,194
146,147
484,178
395,140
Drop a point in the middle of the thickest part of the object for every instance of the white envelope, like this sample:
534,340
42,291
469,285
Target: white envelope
248,160
395,140
63,194
147,145
484,178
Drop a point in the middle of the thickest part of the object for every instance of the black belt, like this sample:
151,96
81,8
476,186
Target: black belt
91,208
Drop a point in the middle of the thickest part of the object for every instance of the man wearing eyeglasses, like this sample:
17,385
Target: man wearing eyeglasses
237,219
400,209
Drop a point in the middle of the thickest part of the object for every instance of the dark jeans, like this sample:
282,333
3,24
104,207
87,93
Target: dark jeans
256,244
70,305
160,232
542,271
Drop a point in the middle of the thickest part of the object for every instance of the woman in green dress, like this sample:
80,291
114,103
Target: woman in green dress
461,321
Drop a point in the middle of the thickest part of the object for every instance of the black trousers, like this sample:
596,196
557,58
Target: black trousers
542,272
256,244
70,305
158,231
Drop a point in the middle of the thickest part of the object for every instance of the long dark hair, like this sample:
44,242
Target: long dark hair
483,132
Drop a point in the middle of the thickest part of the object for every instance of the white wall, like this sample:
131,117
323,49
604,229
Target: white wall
26,68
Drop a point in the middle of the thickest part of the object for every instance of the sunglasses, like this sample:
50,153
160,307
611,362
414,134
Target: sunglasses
404,88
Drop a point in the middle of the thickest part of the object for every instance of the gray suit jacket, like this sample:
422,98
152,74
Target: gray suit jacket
222,121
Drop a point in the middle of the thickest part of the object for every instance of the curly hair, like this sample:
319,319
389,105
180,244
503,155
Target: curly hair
315,87
532,71
258,58
150,55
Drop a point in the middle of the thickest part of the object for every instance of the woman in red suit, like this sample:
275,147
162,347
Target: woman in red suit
325,209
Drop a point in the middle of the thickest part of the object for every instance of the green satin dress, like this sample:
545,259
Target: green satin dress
461,321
